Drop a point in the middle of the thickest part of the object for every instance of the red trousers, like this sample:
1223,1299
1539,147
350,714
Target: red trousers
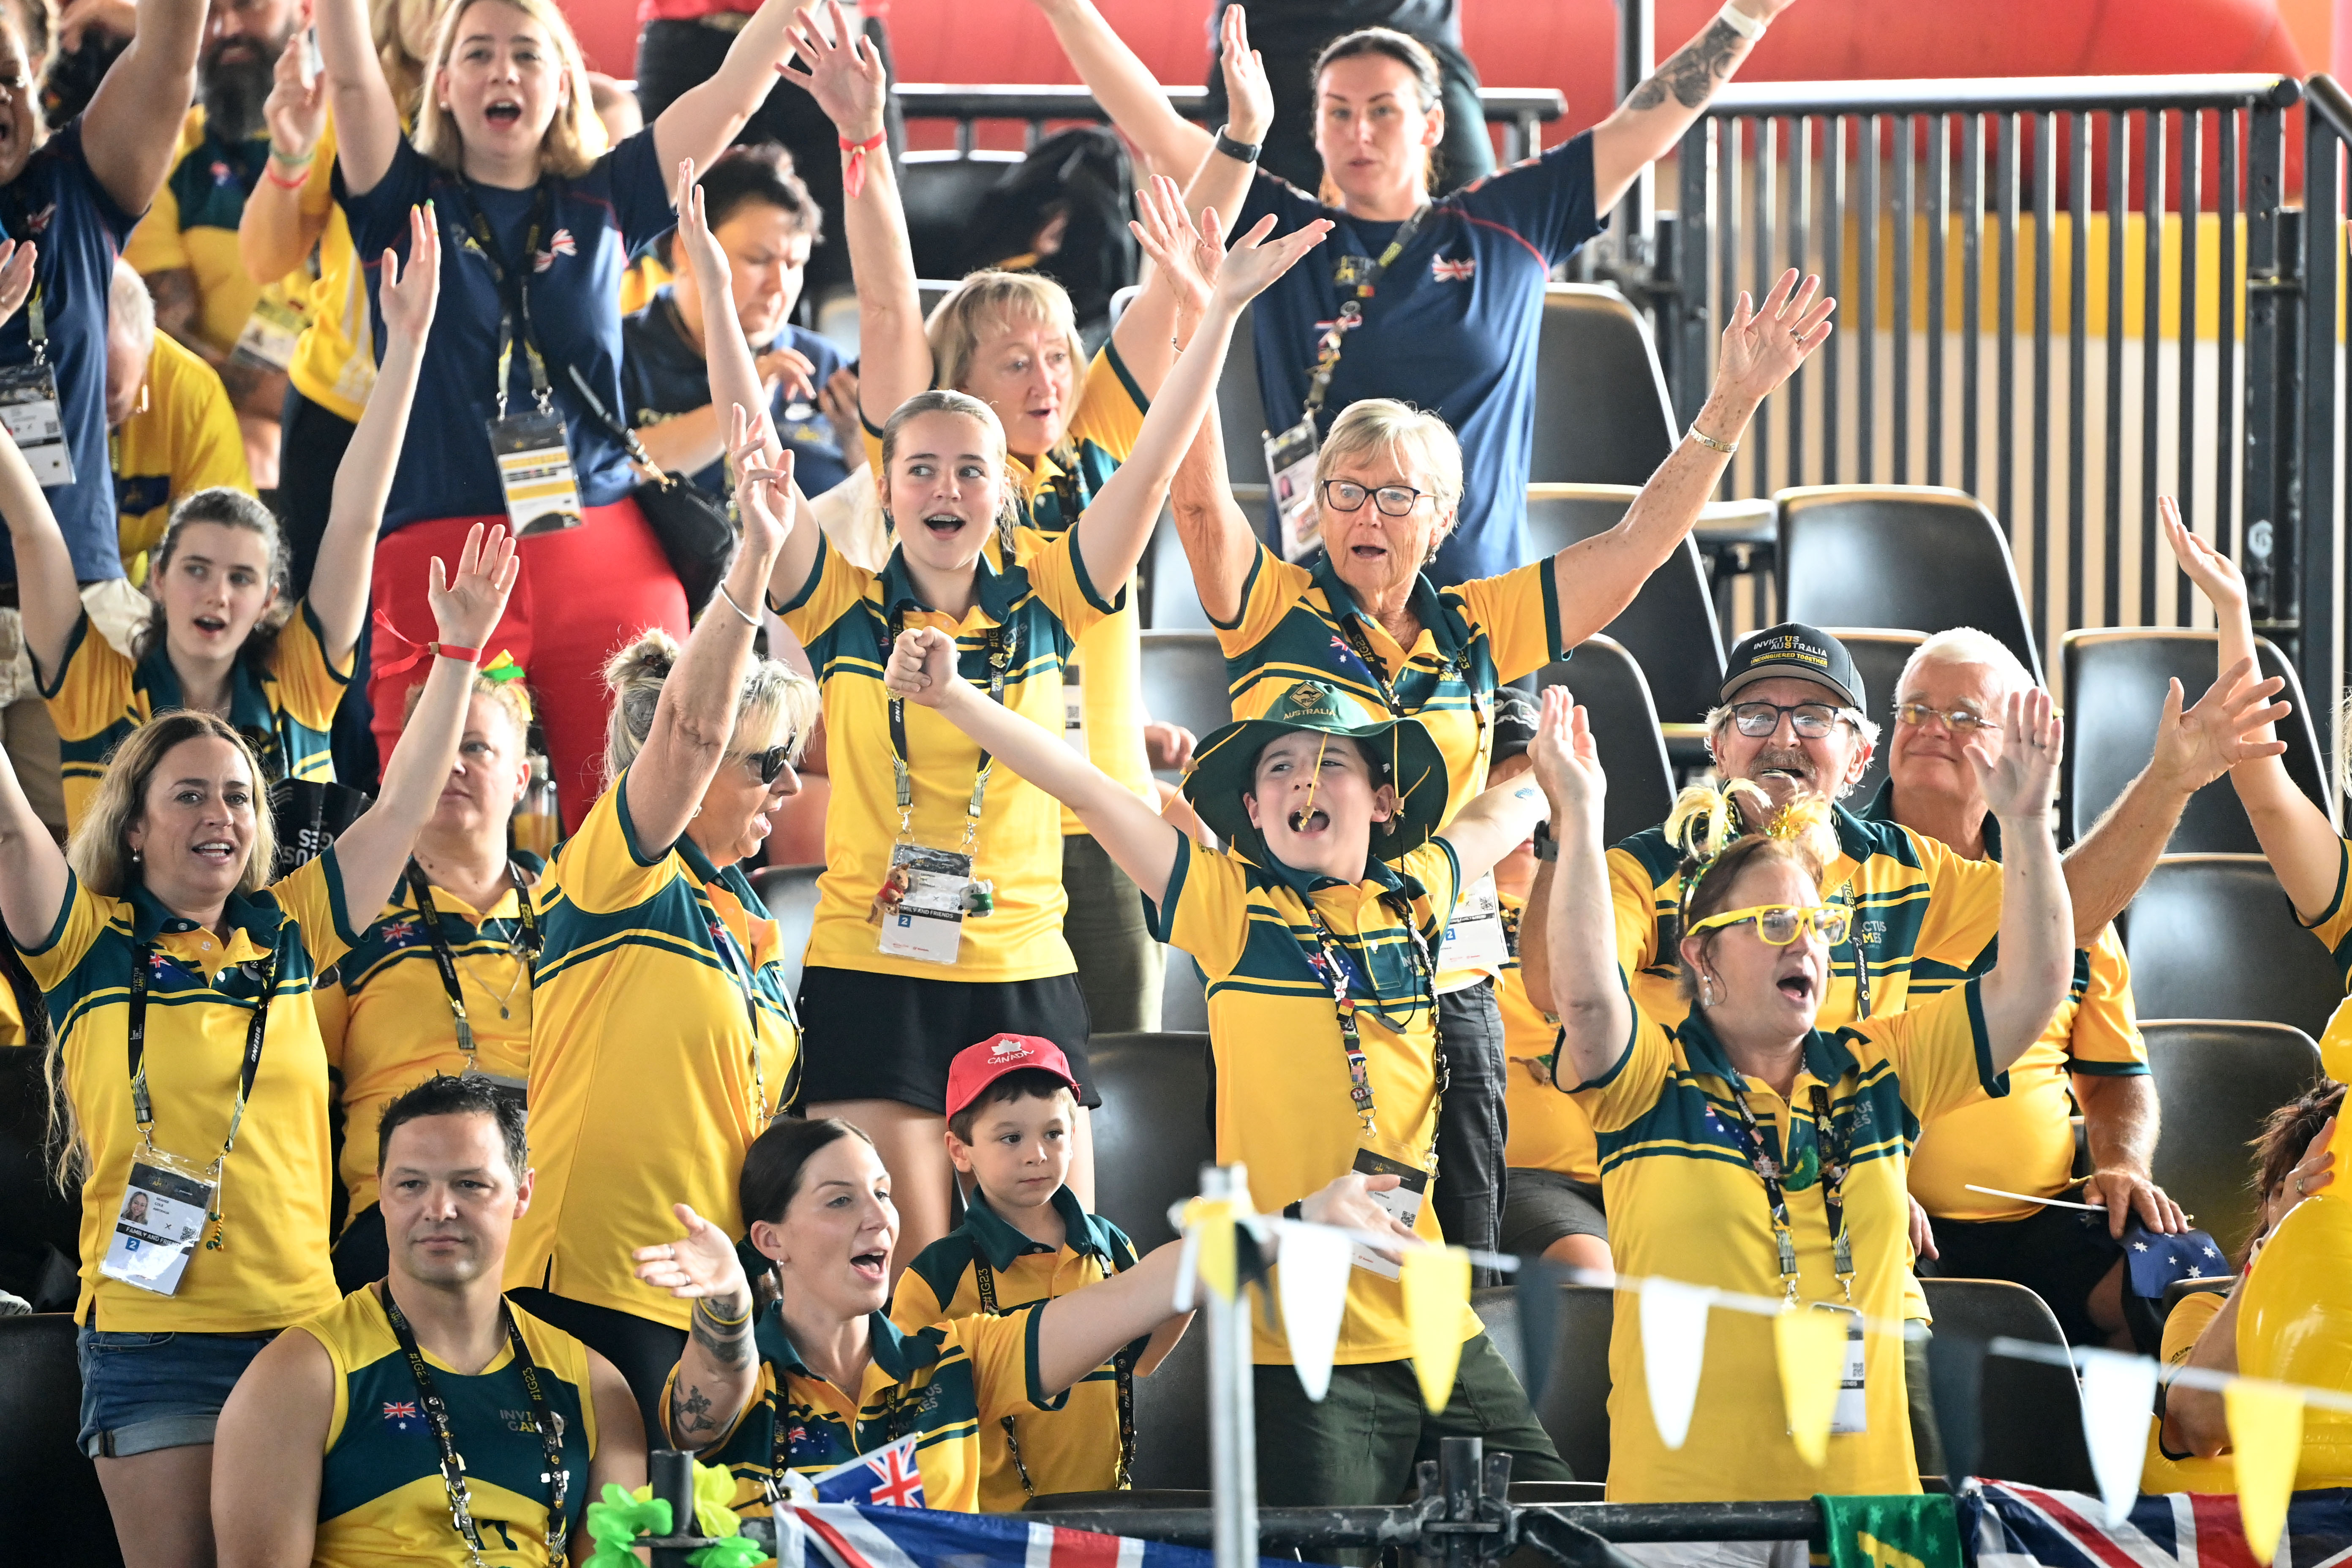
581,595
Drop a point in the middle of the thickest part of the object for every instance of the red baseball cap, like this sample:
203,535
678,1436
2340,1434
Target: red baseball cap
977,1067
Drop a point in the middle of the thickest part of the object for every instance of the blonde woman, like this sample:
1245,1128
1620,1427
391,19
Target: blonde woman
188,1063
537,228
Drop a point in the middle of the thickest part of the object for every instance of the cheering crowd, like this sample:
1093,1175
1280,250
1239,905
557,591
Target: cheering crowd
606,1181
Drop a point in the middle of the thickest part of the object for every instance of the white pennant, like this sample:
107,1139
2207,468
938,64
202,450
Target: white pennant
2118,1393
1311,1281
1674,1348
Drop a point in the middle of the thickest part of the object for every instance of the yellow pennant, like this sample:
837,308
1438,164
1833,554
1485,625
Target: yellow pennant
1812,1349
2266,1436
1436,1287
1213,1220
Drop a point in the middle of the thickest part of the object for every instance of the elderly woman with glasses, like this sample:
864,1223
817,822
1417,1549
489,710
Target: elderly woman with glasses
1365,615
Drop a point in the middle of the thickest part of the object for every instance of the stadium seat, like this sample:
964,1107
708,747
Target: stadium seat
1918,557
1168,601
1184,996
1602,415
790,893
1241,418
1879,654
1184,682
1150,1142
2030,1412
2212,936
1498,1306
1670,628
941,192
2217,1081
1574,1404
2116,682
1607,681
40,1410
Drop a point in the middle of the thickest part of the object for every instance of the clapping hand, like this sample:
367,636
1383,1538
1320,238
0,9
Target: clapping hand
764,482
297,114
703,256
844,74
466,605
407,296
1249,98
1253,262
922,667
2017,784
1568,764
1188,255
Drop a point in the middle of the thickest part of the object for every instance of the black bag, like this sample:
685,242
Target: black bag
696,532
308,815
1073,193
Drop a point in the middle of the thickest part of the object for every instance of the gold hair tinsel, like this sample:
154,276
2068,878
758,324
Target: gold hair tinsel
1705,821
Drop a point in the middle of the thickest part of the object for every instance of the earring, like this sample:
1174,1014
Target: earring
1707,990
134,856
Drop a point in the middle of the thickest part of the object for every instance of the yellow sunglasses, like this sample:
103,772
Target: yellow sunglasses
1781,924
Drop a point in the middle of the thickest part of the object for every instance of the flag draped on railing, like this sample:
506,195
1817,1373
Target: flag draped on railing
2004,1524
852,1535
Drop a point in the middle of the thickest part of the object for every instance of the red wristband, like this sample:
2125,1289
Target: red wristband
269,173
853,179
451,650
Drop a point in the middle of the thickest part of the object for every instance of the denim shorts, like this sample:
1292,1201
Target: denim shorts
144,1392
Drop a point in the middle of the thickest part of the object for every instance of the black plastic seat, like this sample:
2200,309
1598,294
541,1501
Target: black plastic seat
1879,655
941,192
1241,411
1498,1306
2212,936
2115,681
40,1411
1574,1404
2029,1413
2217,1081
1918,557
1150,1141
790,893
1184,996
1605,679
1601,416
1670,628
1184,681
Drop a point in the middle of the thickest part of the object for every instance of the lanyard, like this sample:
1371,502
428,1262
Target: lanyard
1860,959
1000,659
1123,1364
524,942
1836,1148
549,1424
1331,963
142,1106
514,280
1351,311
788,1432
737,965
1457,666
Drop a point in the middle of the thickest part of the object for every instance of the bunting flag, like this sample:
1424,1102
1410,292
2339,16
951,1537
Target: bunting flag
1209,1236
2266,1442
1811,1350
1311,1284
2118,1391
1674,1348
1436,1288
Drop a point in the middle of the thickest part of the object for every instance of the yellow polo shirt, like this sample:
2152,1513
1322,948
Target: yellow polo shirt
192,228
334,364
662,1044
1074,1449
1685,1203
1282,1098
941,1384
2160,1472
386,1016
842,615
271,1269
185,440
2333,927
1548,1129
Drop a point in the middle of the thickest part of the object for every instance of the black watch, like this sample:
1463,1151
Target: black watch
1295,1210
1239,151
1547,846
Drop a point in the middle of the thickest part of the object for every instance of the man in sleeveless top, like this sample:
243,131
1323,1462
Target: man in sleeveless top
334,1446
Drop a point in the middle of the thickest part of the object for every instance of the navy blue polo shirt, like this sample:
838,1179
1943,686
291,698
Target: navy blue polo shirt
595,221
58,205
662,375
1452,328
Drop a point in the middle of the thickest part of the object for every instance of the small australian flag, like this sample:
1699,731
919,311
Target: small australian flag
401,1415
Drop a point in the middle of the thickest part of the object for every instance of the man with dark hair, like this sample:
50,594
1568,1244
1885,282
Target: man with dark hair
423,1417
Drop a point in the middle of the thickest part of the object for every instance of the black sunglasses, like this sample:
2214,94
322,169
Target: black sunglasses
768,764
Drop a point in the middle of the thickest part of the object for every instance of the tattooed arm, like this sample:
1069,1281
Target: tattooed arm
1655,115
719,1371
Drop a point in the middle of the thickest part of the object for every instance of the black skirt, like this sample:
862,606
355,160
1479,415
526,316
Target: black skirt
891,1037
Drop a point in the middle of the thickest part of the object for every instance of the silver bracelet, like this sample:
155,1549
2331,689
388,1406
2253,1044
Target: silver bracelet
1727,447
752,620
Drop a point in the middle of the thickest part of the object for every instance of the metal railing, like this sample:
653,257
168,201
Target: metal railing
2063,295
1522,112
2311,526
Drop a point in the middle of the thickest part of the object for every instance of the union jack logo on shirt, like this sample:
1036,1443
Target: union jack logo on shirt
559,244
1342,652
1448,271
400,1414
399,933
159,964
222,174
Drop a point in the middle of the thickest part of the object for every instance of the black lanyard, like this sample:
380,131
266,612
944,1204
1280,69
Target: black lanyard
1458,666
514,289
550,1426
1000,660
788,1432
1331,963
1351,311
1122,1365
1836,1145
736,965
1860,959
524,943
142,1106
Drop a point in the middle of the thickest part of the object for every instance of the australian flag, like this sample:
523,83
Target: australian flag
2003,1524
2158,1261
401,1415
837,1535
886,1477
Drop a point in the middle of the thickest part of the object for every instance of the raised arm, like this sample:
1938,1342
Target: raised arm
1762,348
466,605
1218,541
32,868
367,121
2302,844
1579,929
1219,180
1137,105
922,669
45,570
132,127
273,235
339,587
700,121
2037,928
720,1366
267,1457
1498,822
1645,127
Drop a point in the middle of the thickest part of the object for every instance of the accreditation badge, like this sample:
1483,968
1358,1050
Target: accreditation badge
1474,934
163,1211
535,470
28,408
921,907
1852,1414
1386,1157
1073,705
270,335
1290,469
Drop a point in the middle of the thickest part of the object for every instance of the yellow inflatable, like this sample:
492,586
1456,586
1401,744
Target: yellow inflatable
2294,1324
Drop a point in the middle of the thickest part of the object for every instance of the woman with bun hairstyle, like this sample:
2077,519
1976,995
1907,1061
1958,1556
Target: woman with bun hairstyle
537,224
663,1039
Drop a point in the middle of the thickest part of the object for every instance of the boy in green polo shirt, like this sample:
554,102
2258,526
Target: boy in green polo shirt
1012,1109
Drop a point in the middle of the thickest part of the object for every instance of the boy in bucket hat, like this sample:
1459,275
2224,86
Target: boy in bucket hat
1011,1108
1315,929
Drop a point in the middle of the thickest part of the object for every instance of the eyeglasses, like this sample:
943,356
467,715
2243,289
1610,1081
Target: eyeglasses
1959,721
1393,500
1811,720
768,764
1781,924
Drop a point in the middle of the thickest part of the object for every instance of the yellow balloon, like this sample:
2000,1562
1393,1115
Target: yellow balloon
2295,1325
2336,1044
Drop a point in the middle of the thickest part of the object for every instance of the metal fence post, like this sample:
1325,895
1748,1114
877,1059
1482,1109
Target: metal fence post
1232,1416
2270,280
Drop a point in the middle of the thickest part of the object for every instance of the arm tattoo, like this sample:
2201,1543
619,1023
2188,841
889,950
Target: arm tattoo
1692,74
690,1411
727,1344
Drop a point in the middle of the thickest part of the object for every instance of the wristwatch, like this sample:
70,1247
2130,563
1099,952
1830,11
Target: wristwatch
1239,151
1547,846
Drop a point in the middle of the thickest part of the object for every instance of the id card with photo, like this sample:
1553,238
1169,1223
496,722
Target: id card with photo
535,470
1474,935
1852,1414
156,1231
1290,469
928,921
1403,1202
1074,705
270,334
30,408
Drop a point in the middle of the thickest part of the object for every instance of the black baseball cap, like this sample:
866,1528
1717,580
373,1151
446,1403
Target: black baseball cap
1797,651
1515,723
